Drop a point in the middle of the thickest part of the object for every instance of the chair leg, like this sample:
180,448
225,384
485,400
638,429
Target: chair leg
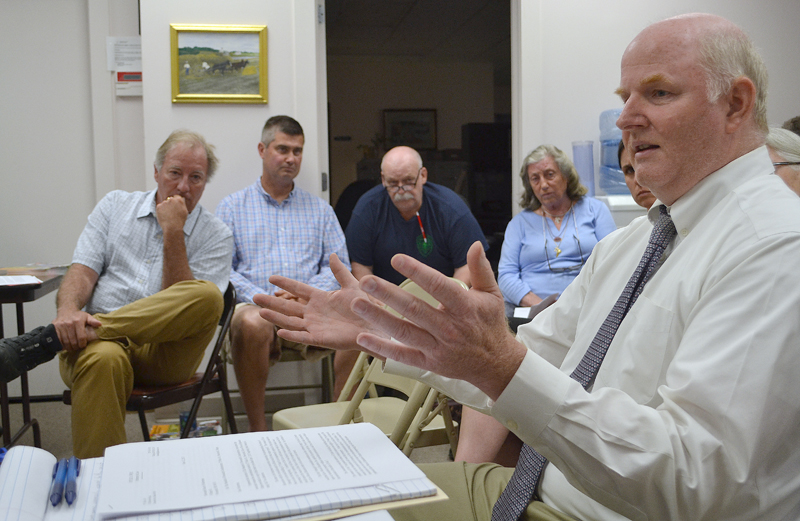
143,422
327,380
190,420
449,424
226,399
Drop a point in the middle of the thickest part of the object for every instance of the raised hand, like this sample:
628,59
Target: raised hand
320,318
171,213
466,337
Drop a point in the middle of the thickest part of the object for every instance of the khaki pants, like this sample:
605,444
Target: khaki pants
473,490
156,340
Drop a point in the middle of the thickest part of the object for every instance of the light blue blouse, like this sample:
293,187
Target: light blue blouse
523,263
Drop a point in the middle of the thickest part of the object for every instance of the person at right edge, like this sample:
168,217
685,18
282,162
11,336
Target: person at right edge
667,395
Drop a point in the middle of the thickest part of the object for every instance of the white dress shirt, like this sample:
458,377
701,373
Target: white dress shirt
694,413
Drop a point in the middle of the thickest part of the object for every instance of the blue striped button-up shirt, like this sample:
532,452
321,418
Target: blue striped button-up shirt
293,238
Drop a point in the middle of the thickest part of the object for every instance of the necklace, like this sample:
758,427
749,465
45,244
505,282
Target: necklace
557,220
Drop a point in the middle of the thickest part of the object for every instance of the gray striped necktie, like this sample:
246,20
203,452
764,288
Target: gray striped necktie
522,486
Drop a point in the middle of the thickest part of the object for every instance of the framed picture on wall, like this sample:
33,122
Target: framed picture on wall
219,63
415,128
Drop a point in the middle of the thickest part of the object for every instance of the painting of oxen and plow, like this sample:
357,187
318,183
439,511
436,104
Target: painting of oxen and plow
224,64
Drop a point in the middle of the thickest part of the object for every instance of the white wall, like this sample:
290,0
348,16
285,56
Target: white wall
49,171
569,63
293,33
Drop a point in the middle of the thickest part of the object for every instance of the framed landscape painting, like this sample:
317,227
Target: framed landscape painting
219,63
415,128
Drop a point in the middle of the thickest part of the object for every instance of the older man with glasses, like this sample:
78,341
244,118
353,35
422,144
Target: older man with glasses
407,214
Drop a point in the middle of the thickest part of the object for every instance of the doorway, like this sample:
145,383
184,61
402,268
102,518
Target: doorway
446,61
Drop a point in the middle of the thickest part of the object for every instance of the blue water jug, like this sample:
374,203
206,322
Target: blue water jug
612,180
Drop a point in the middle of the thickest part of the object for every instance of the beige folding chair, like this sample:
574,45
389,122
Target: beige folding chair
326,383
422,420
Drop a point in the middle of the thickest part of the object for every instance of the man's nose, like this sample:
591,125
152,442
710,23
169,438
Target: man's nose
183,184
630,115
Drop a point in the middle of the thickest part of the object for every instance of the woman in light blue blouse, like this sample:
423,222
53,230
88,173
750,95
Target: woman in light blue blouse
544,248
547,243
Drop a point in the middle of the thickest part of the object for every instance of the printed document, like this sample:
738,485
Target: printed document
327,463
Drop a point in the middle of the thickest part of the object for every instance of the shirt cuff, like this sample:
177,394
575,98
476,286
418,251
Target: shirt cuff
532,397
400,369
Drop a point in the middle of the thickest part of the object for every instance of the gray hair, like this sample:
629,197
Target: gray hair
793,125
189,138
729,54
575,190
275,124
786,144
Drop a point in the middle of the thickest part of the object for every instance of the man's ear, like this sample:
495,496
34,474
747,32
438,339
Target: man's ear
741,100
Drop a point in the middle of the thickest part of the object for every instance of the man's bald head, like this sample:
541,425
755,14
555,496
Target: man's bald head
691,106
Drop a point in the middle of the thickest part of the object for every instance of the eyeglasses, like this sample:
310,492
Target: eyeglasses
568,268
786,163
406,185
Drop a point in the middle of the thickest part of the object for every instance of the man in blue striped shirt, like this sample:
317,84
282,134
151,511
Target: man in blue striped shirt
278,229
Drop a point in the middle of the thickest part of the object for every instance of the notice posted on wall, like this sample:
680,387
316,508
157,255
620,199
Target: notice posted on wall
124,59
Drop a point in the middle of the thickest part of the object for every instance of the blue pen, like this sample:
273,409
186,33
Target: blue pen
71,488
59,477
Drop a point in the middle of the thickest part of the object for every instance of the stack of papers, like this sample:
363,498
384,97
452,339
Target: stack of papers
262,475
18,280
317,474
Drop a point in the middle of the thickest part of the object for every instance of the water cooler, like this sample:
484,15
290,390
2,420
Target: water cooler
611,179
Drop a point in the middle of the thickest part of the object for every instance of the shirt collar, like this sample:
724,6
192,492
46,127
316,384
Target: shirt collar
148,207
271,200
701,199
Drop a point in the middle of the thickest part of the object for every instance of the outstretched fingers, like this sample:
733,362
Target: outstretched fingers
301,337
390,349
341,272
390,324
279,311
480,270
400,340
447,292
294,287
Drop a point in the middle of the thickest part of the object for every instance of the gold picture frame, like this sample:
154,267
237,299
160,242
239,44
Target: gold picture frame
219,63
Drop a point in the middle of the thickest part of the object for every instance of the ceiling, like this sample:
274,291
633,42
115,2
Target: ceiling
454,30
